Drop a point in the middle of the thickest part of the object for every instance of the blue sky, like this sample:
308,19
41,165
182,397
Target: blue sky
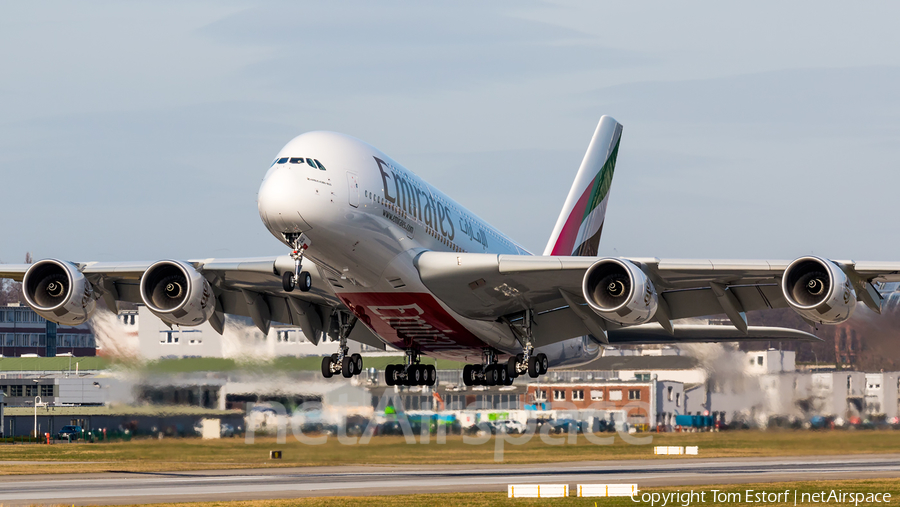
141,130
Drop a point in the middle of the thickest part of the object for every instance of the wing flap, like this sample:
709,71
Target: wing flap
654,334
564,324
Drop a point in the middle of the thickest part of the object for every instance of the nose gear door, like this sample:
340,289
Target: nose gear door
353,190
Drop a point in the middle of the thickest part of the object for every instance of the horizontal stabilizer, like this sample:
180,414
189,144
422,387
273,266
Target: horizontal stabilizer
647,334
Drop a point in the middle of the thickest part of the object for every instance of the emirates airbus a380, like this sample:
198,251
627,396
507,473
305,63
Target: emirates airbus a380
379,256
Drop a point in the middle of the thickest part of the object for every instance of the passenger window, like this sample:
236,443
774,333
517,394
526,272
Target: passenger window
282,160
311,164
297,160
322,167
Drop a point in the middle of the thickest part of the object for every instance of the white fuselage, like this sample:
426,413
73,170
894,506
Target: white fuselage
367,218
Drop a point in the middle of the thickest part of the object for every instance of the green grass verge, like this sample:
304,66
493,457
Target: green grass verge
194,453
52,363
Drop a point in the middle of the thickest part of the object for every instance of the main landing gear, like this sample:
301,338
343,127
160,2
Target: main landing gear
298,278
493,373
411,373
527,362
343,362
489,373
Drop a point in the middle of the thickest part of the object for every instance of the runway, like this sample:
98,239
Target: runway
129,487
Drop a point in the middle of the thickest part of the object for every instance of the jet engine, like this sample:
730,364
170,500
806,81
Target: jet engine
620,292
177,293
59,292
818,290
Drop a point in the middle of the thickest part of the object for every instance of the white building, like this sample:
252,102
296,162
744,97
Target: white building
156,339
771,387
770,361
882,394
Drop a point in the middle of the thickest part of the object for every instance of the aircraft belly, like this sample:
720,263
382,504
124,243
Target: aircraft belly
418,320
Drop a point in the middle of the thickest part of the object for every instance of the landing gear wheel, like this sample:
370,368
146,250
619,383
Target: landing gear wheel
467,375
347,367
432,375
326,367
418,375
544,363
389,375
357,363
509,380
287,281
502,375
305,281
511,370
395,375
533,366
493,375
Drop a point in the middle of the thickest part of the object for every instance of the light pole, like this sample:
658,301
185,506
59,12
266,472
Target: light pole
37,401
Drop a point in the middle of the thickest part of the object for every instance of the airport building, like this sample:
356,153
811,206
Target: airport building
155,339
645,388
25,333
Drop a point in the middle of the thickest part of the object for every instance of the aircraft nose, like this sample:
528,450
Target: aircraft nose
278,202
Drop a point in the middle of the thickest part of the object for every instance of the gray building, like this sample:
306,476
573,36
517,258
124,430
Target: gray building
57,389
24,332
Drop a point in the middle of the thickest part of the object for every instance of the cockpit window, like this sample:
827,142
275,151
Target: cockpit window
297,160
310,162
282,160
322,167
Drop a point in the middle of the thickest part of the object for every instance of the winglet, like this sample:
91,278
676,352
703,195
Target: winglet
580,223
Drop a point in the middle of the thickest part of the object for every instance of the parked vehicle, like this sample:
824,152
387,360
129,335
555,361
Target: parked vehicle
227,430
508,426
69,432
697,422
603,426
563,426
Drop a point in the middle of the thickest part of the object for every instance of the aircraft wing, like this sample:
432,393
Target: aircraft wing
250,287
491,286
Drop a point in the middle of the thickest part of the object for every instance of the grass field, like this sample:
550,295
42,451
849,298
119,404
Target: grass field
196,454
891,486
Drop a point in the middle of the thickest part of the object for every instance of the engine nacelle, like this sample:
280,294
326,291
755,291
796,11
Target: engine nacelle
620,292
819,290
177,293
59,292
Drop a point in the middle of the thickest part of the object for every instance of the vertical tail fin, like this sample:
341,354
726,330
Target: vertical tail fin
578,227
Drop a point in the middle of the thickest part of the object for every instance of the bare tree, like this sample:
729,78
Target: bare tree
11,291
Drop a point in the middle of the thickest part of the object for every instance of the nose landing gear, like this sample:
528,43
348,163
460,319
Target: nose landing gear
298,278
